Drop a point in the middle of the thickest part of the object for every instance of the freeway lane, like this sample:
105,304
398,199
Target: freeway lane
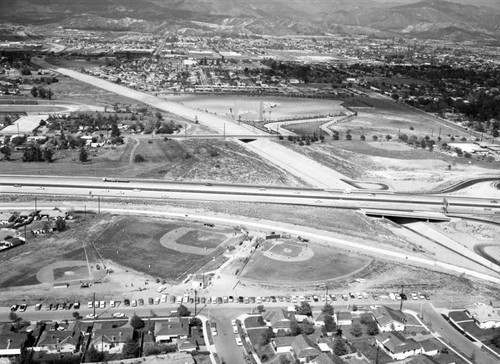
159,189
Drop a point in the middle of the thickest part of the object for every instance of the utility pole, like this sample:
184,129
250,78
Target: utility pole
98,205
94,305
85,212
195,303
35,204
402,295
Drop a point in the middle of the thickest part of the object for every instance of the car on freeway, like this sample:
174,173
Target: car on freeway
239,342
91,316
126,302
118,315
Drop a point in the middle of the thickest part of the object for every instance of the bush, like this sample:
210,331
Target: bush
139,158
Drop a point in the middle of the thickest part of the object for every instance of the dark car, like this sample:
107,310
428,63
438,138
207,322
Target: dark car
240,299
14,307
126,302
150,301
203,300
141,302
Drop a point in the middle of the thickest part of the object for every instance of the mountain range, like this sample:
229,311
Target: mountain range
456,20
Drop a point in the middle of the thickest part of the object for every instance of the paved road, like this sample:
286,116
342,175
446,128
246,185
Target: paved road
460,342
295,163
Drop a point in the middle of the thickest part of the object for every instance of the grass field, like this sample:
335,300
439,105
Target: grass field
201,239
135,243
327,263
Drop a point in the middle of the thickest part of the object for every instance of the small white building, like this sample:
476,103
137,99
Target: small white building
485,316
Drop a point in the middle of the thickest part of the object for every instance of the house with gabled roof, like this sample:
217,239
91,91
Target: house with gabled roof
60,341
305,349
111,339
389,319
279,320
11,343
396,346
169,330
282,344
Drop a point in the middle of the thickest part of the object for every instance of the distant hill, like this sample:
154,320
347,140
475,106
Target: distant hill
438,19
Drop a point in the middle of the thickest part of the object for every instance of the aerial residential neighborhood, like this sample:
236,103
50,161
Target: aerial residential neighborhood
257,182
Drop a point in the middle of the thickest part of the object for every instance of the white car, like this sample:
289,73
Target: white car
90,304
235,329
112,304
414,296
163,298
233,322
91,316
161,289
118,315
102,304
157,301
239,342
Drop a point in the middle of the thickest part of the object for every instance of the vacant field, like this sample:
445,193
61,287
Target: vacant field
197,160
274,108
327,263
135,243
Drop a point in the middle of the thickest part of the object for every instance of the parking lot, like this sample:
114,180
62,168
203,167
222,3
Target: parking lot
173,301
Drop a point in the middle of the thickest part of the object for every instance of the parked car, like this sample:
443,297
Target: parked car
22,308
38,306
76,305
111,304
157,301
239,342
150,300
118,315
134,303
91,316
14,308
141,302
126,302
